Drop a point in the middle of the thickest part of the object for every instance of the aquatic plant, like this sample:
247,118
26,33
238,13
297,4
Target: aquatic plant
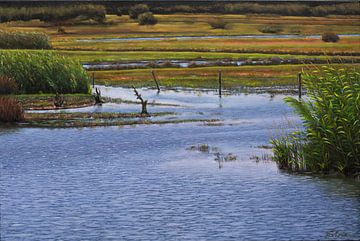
8,85
24,40
44,72
330,142
10,110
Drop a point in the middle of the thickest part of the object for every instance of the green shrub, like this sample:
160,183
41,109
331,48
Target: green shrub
271,29
10,110
331,139
44,71
218,23
24,40
330,37
138,9
8,86
53,13
147,19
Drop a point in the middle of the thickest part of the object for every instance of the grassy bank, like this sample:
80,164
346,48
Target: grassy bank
233,77
346,46
112,56
46,102
66,120
193,25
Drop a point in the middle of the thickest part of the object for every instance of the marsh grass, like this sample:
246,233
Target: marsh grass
330,142
44,72
8,86
24,40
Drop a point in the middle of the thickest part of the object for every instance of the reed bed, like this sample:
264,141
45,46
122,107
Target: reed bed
44,72
8,86
24,40
330,142
10,110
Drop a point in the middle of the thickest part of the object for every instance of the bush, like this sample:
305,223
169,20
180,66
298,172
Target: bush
136,10
331,139
271,29
330,37
61,30
119,11
218,23
147,19
44,71
10,110
8,86
53,14
24,40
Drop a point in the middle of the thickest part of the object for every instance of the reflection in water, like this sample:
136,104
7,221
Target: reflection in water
140,183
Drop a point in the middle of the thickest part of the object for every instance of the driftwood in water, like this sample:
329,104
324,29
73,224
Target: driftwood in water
143,102
58,100
156,81
97,96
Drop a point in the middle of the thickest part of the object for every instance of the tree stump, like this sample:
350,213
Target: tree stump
143,103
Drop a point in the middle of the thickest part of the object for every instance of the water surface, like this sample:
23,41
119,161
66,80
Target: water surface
140,182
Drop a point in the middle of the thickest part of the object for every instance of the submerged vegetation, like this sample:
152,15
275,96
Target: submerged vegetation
24,40
330,142
44,72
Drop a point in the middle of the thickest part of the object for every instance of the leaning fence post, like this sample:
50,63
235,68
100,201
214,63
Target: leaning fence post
155,79
299,85
220,80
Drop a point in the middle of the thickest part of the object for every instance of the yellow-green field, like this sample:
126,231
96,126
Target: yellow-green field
207,77
348,48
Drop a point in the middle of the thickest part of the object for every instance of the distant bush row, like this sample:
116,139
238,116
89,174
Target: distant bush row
291,9
43,72
24,40
53,14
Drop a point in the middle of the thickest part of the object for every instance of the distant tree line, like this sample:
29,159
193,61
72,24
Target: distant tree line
291,9
52,13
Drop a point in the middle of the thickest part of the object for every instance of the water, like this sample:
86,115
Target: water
165,63
273,36
140,182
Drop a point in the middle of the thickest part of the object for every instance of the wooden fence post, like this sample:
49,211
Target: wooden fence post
220,82
93,79
299,85
156,81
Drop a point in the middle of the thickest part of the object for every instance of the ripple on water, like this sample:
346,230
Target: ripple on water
140,183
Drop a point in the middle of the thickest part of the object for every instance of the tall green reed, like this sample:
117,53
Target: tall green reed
44,72
330,142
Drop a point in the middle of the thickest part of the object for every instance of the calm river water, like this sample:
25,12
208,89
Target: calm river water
141,182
